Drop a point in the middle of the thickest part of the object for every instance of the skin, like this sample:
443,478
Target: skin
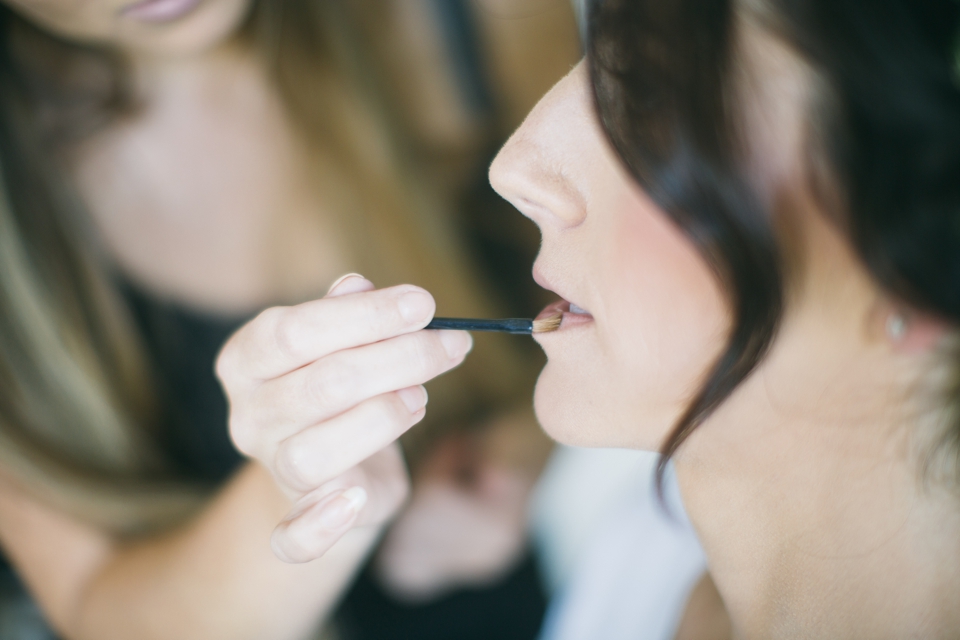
210,171
640,249
804,486
103,22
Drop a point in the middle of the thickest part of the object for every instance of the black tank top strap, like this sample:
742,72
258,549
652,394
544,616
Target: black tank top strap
182,345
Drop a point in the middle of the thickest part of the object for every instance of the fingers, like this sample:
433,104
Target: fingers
349,283
311,457
283,339
319,391
308,533
332,385
367,494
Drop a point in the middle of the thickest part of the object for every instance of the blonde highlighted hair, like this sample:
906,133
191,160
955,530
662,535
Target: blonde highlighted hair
76,400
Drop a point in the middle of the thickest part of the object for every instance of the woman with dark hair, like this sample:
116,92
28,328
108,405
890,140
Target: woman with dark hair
752,211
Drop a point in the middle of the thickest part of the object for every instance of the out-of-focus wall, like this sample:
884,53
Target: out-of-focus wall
462,74
459,77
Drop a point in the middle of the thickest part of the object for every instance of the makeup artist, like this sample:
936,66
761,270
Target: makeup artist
169,168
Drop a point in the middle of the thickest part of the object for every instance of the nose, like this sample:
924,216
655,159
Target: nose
538,167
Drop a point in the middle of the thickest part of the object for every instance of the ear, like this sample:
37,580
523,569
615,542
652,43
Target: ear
906,330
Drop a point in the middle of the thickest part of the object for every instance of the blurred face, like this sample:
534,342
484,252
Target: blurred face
644,317
153,27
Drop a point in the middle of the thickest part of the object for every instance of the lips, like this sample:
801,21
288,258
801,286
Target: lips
158,11
573,315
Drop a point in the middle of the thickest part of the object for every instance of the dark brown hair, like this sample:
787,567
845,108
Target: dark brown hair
661,75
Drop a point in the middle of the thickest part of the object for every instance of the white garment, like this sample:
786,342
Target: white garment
620,567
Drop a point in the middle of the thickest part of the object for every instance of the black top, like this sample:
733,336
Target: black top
183,345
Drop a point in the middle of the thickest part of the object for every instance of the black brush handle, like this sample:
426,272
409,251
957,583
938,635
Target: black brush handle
508,325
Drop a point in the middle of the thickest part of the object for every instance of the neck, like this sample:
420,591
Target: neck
806,495
834,553
155,74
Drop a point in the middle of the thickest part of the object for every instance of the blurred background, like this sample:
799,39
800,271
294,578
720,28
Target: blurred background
161,190
366,128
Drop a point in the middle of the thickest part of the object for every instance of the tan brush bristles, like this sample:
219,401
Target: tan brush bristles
548,324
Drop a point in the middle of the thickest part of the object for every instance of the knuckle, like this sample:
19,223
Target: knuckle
225,363
383,313
243,436
329,384
425,354
297,466
390,413
385,309
284,327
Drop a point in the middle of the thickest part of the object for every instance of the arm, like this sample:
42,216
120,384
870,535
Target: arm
213,578
318,395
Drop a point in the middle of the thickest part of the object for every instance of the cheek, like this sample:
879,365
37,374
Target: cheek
666,318
665,309
661,322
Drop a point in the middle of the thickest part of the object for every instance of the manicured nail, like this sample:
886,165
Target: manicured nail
414,398
342,278
455,343
341,510
415,306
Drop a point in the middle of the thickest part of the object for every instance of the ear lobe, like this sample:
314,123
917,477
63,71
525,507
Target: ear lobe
904,329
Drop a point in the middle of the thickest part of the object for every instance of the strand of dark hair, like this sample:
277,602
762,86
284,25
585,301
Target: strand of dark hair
657,70
887,122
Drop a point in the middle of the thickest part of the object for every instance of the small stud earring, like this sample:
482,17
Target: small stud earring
896,327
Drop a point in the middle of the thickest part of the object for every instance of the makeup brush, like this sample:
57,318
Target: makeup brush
508,325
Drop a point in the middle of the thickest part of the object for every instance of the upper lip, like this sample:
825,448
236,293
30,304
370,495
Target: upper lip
544,282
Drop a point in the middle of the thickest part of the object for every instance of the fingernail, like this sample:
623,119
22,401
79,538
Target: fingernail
414,398
415,306
455,343
342,278
340,511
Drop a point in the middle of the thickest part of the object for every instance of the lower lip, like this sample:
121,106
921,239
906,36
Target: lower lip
570,320
160,11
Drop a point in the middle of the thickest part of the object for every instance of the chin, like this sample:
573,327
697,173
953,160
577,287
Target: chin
211,24
574,413
566,412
